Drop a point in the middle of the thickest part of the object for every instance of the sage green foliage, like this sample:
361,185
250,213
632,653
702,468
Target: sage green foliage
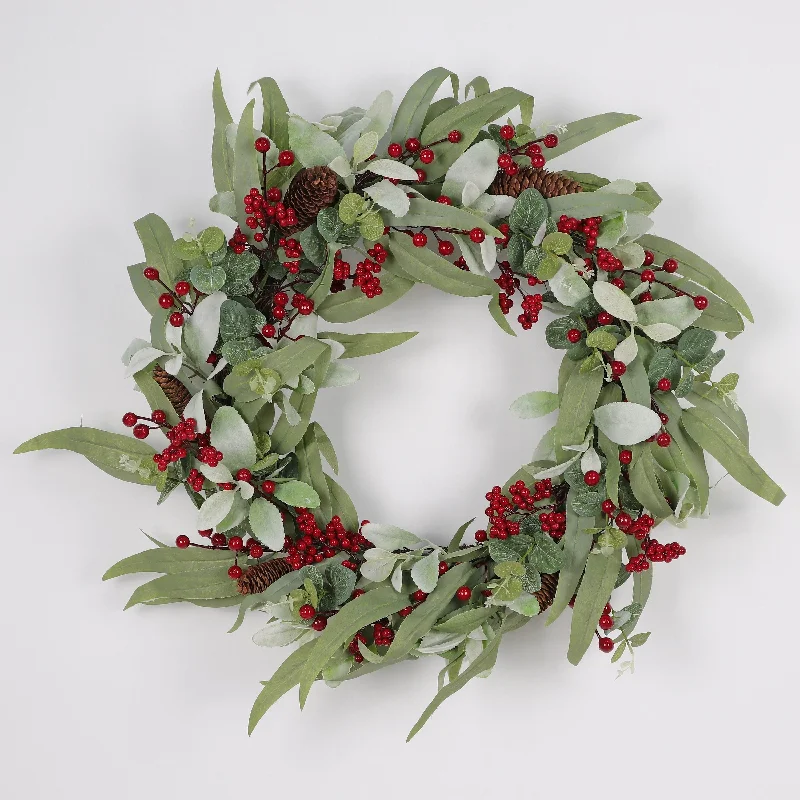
259,406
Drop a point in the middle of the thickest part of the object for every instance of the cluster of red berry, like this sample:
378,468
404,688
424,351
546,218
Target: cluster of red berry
638,564
208,454
505,161
531,306
293,251
178,435
664,552
415,150
521,502
172,296
315,545
554,523
303,304
238,242
264,213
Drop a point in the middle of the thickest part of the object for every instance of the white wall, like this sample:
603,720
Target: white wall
107,116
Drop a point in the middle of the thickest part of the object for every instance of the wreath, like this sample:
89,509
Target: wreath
338,219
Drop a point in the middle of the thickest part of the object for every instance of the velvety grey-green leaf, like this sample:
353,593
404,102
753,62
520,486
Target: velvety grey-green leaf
353,304
170,560
357,345
584,130
577,405
410,116
159,247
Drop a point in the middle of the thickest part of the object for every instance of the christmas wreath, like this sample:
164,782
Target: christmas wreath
338,219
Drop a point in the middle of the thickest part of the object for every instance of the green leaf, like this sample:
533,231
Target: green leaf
459,535
558,243
483,662
245,165
333,230
187,249
169,560
314,246
266,523
371,606
618,653
211,239
638,639
601,339
410,116
678,312
585,502
425,266
509,549
547,557
595,204
276,122
535,404
466,621
705,397
365,146
312,147
627,423
614,300
159,248
286,677
691,266
468,118
121,456
207,584
577,405
529,213
221,153
576,550
647,488
342,505
428,213
556,332
353,304
718,440
232,436
371,226
584,130
154,395
498,316
595,589
297,494
207,279
663,364
695,344
505,569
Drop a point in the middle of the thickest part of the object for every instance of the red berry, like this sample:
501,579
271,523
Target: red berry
268,487
533,149
256,551
623,520
280,298
158,416
319,623
218,540
394,150
413,145
701,302
141,431
421,176
664,385
166,300
446,248
649,258
286,158
606,644
618,369
404,612
176,319
262,144
235,543
477,235
607,608
307,611
442,567
591,478
663,440
444,200
151,273
420,240
625,456
244,475
647,276
507,132
604,318
574,335
551,140
182,288
670,265
418,596
182,541
606,623
426,156
504,161
268,331
235,572
463,593
538,161
454,137
608,507
129,419
480,536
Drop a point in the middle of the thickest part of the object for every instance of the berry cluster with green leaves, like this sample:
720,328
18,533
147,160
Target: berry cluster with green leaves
238,354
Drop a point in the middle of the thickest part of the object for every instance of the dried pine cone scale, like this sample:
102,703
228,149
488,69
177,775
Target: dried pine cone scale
547,593
177,394
260,577
550,184
310,191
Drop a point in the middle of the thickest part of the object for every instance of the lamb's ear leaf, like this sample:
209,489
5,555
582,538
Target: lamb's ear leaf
276,121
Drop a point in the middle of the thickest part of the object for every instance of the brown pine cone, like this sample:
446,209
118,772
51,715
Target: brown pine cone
260,577
550,184
310,191
547,593
177,394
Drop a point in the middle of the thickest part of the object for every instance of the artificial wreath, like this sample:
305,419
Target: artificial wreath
338,219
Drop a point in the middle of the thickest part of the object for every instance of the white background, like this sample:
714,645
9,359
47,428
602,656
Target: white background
107,116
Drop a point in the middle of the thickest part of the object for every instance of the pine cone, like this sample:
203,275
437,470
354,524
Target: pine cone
177,394
258,578
550,184
310,191
547,593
